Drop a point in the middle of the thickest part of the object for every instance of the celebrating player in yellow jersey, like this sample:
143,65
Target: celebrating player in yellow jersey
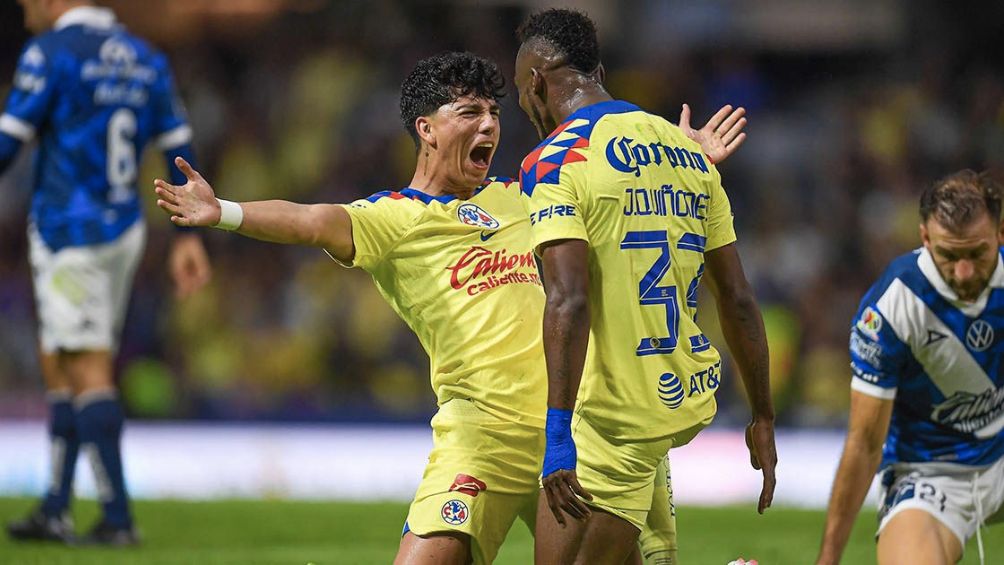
627,215
452,256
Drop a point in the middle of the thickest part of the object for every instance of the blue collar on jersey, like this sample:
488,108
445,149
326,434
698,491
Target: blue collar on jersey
427,198
596,111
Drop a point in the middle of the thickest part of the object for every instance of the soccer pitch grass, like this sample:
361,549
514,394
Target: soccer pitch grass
272,531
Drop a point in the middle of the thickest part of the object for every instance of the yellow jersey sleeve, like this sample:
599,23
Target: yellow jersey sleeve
720,229
551,179
378,225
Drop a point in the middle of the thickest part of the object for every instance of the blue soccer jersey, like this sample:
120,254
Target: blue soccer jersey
939,358
93,95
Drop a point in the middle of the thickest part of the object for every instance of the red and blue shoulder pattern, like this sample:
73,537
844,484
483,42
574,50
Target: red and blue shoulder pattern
417,195
410,194
565,143
505,181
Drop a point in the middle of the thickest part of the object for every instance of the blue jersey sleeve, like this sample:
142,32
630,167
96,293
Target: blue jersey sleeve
877,355
173,135
29,101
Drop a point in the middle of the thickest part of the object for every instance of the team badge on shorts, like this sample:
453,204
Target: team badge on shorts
455,512
870,323
473,215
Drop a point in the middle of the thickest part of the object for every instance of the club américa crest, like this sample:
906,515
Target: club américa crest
474,215
455,512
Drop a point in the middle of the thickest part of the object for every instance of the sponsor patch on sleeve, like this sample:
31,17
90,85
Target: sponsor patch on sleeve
868,351
870,323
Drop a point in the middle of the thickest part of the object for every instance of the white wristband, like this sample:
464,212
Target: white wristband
231,215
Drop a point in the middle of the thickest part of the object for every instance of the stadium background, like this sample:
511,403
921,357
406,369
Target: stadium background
854,106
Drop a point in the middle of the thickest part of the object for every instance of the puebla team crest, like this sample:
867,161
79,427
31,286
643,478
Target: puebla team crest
474,215
455,512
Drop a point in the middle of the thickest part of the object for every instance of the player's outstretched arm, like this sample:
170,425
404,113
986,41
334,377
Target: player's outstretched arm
866,431
721,136
194,204
566,335
742,325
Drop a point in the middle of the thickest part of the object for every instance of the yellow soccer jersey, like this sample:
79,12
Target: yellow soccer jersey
461,274
650,205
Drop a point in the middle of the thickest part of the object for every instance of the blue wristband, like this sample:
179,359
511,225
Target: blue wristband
559,451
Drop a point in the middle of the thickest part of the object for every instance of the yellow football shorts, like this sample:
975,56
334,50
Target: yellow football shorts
621,474
658,537
482,474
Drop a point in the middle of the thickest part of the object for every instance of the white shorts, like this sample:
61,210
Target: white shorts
958,496
82,292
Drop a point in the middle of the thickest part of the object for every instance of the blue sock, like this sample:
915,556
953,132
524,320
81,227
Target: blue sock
64,443
99,424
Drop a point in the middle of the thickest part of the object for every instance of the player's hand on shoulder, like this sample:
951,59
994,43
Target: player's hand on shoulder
721,136
192,204
763,457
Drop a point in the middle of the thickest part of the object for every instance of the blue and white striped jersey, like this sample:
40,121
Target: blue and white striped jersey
93,95
939,358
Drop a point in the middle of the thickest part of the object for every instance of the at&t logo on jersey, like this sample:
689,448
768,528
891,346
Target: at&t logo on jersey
473,215
671,391
455,512
870,323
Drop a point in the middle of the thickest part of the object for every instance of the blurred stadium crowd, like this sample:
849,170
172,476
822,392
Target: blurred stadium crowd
854,107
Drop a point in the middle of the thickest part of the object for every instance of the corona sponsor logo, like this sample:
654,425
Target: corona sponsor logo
628,156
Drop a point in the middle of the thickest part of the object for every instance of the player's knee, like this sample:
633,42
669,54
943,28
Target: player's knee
89,371
446,548
914,536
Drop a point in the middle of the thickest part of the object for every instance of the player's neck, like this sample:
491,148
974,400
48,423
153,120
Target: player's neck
433,180
575,95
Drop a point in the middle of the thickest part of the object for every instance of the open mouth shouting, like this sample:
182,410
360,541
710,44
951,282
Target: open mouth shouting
482,154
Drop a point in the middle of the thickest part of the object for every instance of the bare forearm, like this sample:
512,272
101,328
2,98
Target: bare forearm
854,476
744,332
566,336
280,221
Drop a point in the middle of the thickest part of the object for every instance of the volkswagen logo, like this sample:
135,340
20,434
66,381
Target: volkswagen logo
979,336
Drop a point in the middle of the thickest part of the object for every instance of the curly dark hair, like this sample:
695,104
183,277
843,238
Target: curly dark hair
960,198
443,78
569,31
